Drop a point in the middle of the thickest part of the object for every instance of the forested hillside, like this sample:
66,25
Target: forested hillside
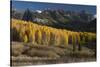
24,31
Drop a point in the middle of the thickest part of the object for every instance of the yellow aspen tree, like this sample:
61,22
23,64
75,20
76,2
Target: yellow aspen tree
48,37
62,39
21,34
33,36
57,40
39,37
79,40
43,37
52,38
74,42
69,38
89,37
66,39
30,35
25,38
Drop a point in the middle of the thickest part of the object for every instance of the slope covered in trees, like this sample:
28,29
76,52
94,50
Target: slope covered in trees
44,35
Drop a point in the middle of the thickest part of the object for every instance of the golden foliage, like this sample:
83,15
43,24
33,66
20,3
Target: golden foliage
44,35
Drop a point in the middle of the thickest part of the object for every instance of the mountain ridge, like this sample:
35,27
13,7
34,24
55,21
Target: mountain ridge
71,20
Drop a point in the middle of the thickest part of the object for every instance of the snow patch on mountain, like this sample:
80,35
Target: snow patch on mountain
39,11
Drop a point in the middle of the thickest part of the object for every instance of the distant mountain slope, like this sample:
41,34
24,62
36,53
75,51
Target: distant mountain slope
77,21
92,26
